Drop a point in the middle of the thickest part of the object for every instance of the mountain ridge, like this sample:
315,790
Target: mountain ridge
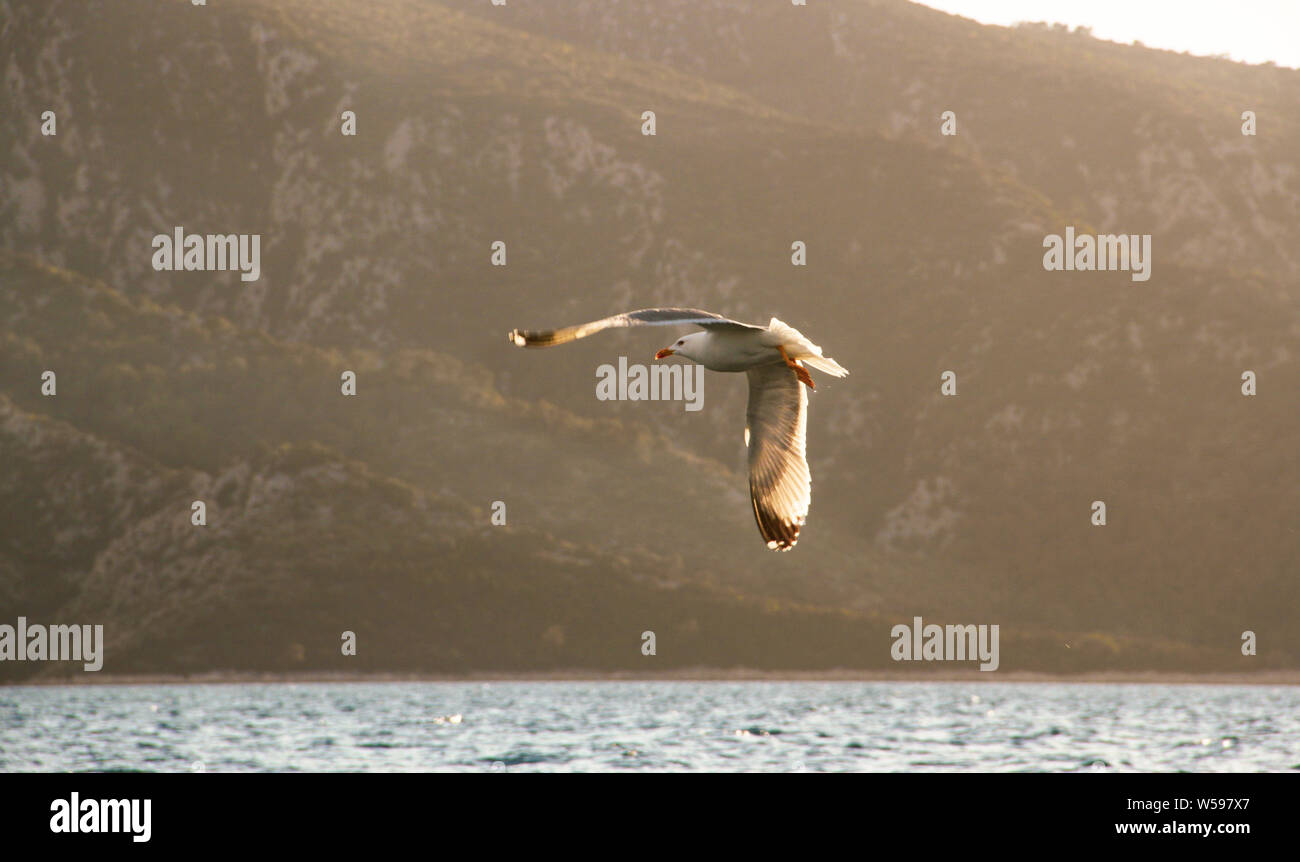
924,256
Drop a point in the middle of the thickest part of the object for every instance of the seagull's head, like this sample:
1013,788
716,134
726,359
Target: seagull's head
687,346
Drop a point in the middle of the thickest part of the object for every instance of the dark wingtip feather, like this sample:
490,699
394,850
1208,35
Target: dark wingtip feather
778,533
531,338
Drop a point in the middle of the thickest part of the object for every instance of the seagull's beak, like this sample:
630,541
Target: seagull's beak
667,351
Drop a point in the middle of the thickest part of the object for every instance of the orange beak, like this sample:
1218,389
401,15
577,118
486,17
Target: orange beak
667,351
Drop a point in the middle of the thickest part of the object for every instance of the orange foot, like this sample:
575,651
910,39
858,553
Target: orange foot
799,371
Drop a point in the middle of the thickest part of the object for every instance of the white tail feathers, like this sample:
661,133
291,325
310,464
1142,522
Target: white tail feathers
804,350
825,363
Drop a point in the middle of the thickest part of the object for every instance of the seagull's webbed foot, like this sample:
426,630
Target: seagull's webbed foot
799,371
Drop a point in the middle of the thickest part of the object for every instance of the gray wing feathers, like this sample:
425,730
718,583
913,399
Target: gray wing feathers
644,317
780,485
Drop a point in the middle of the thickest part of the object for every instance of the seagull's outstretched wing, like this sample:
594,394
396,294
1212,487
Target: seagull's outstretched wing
644,317
780,485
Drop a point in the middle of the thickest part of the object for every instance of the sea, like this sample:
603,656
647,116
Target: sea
622,726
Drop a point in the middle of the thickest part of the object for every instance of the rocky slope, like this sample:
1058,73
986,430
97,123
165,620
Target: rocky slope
479,123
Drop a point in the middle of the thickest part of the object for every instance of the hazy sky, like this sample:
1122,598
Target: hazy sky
1251,30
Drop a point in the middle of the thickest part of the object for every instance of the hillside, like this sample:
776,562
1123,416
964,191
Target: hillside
479,123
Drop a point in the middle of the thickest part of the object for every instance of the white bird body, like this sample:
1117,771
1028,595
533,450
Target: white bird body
726,350
740,350
780,485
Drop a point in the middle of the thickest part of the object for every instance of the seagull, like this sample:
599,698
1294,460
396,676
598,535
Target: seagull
774,357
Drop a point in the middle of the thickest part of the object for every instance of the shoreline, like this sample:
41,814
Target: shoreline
1261,677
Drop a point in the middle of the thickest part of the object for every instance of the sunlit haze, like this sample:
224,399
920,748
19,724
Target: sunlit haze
1253,31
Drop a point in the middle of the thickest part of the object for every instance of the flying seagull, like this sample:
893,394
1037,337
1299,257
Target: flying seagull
774,357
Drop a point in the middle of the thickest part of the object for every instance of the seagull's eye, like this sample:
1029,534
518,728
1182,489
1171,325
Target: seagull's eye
680,343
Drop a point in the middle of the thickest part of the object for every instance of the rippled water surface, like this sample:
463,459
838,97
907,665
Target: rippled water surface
584,726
